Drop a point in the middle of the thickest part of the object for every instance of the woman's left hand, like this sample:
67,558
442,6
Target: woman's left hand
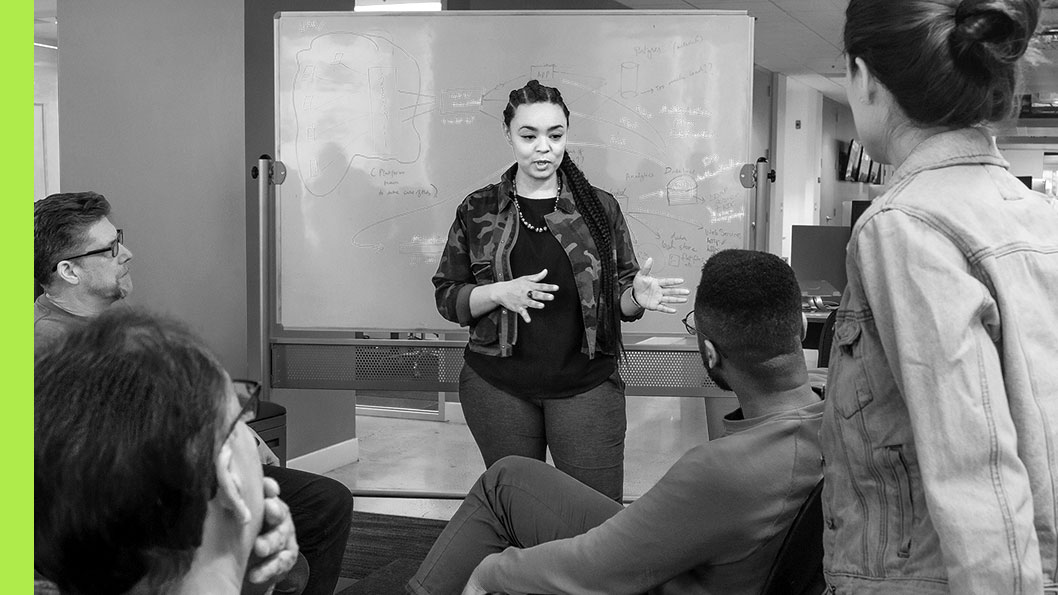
654,293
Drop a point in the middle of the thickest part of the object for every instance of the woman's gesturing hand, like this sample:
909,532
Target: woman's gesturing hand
518,295
653,293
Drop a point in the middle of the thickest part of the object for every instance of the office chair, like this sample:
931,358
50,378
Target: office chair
826,340
798,568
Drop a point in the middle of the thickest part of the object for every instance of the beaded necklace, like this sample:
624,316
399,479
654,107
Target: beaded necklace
521,217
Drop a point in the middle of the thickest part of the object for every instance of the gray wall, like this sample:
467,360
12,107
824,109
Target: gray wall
838,130
152,117
315,418
46,95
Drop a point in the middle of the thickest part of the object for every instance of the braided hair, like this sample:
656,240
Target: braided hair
588,205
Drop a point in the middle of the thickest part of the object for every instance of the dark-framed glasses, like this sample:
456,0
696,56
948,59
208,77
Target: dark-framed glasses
688,323
113,248
249,394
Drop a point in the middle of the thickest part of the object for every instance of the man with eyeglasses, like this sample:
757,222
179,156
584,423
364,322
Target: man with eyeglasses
146,476
713,523
82,267
79,262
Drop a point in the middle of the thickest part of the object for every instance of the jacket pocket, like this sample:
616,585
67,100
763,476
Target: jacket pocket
853,395
905,511
482,271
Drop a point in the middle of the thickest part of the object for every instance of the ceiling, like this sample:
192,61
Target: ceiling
802,39
45,30
798,38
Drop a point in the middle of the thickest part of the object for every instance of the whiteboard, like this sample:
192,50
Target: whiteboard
386,122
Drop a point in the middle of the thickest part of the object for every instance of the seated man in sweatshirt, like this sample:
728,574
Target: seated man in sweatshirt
713,524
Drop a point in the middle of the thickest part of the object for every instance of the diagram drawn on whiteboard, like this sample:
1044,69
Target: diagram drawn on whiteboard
375,110
344,112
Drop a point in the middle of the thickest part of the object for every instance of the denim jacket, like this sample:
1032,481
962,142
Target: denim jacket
940,433
478,252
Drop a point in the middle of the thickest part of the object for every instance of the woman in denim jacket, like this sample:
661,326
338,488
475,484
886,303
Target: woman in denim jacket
543,240
940,433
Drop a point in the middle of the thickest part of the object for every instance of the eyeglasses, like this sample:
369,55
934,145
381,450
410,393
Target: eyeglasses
113,248
688,323
249,395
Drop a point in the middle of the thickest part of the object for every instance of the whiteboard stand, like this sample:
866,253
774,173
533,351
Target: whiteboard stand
403,412
374,116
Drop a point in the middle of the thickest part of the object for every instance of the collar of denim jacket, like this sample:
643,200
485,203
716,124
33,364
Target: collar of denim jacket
953,147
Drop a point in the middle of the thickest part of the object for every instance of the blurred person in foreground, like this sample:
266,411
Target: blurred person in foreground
118,509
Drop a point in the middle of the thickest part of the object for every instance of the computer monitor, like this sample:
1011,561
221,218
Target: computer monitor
817,253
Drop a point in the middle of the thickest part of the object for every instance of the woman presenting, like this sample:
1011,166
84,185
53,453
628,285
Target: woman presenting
540,267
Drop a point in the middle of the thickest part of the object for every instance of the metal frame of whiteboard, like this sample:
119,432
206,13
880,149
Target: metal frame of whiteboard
279,335
280,330
314,363
677,362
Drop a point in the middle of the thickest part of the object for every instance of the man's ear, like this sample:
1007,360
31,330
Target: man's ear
804,326
710,357
66,271
229,485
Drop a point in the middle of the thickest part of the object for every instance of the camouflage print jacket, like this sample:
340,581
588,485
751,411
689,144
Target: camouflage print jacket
479,249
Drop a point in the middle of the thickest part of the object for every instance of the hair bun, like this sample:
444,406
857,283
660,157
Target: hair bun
992,33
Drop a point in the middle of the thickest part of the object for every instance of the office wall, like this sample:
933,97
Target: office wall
838,128
798,136
1024,162
316,419
760,145
46,96
152,117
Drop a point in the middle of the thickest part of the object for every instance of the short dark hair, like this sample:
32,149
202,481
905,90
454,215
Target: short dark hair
60,227
129,413
749,304
947,62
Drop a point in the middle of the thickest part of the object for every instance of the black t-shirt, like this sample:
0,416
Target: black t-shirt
547,361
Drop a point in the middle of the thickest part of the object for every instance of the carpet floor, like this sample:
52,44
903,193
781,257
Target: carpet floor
385,550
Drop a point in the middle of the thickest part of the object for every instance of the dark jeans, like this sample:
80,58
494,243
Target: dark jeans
518,502
322,510
585,432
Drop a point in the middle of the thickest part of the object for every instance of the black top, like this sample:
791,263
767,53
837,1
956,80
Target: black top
547,361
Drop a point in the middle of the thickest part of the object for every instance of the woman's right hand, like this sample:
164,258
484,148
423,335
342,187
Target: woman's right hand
518,295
